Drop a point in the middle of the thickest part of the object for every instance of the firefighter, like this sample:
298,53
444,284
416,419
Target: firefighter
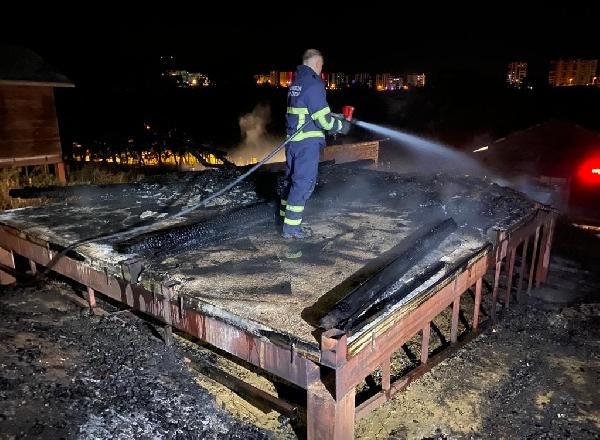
306,106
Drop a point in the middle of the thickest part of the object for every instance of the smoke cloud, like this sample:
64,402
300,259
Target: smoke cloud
256,141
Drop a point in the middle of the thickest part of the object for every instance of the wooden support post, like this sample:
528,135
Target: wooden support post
334,348
454,327
495,289
61,175
386,375
425,343
500,255
545,249
7,258
477,305
331,410
328,417
91,297
522,269
168,293
533,259
511,267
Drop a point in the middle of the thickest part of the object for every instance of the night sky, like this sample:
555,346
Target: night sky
427,37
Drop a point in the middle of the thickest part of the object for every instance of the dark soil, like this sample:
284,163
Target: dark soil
68,373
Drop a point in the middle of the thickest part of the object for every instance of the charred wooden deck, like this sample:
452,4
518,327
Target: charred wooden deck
411,245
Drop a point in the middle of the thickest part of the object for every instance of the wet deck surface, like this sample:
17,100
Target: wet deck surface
359,218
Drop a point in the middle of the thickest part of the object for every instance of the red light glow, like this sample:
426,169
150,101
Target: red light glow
589,171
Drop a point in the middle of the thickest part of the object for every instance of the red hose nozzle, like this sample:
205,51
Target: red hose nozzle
347,111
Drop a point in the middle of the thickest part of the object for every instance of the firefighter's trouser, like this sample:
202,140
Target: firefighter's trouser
302,164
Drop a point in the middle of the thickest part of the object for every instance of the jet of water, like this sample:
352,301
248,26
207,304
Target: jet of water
426,149
438,157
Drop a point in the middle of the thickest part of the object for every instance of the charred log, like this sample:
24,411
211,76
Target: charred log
365,295
373,310
392,296
234,223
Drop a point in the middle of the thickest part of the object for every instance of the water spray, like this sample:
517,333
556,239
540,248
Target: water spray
422,146
455,160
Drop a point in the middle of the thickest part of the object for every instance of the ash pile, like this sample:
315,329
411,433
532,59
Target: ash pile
70,374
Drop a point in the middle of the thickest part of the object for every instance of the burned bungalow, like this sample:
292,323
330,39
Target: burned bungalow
332,315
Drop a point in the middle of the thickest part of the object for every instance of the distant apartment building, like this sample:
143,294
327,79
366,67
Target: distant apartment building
271,78
261,80
285,78
337,80
385,82
517,72
340,80
363,80
183,78
573,72
415,79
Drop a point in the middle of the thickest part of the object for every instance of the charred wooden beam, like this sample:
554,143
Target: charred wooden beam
379,304
230,224
365,295
392,297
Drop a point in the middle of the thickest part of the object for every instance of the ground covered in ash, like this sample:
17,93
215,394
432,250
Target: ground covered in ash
67,373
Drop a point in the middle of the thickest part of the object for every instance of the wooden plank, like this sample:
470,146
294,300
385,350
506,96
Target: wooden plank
245,390
365,296
28,122
6,259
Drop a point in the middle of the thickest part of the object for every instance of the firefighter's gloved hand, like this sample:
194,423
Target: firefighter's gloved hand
345,126
337,124
341,125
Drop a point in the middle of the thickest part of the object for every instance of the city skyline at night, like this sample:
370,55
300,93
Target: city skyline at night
425,39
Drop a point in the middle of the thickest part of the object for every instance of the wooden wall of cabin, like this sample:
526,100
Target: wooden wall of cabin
29,132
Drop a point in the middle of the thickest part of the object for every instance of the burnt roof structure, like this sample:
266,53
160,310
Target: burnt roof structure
388,253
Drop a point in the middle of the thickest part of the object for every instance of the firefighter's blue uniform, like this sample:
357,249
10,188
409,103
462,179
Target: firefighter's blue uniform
307,104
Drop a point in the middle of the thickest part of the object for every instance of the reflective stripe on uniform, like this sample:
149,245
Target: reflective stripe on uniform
308,134
292,222
301,112
282,208
319,115
293,215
